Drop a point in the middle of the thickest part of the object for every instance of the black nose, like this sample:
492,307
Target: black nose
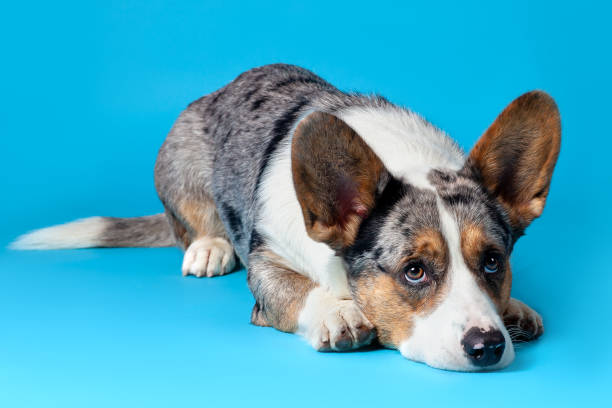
483,348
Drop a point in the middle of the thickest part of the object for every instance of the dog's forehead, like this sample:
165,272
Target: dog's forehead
417,209
401,212
468,201
405,211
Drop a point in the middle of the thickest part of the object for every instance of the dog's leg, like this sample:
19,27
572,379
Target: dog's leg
291,302
183,179
523,323
198,227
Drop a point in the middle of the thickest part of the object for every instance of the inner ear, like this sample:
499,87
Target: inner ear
516,156
336,177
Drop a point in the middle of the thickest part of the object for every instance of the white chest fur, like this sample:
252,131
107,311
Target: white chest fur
282,225
407,145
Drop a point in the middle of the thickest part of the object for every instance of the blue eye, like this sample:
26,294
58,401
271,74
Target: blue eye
491,263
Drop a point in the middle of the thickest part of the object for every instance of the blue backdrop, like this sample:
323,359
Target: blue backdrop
89,91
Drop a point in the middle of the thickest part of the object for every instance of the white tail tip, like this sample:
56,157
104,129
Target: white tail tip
83,233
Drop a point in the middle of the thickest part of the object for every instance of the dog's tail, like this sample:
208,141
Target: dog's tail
149,231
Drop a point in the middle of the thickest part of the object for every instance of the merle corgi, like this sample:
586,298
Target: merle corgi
356,219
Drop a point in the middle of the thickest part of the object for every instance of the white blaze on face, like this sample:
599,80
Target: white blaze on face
436,338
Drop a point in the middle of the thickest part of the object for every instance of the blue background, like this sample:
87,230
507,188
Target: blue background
89,91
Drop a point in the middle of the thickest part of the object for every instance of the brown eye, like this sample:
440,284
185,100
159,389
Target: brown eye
491,263
415,273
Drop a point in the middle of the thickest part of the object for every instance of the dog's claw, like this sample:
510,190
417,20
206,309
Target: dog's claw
523,323
343,328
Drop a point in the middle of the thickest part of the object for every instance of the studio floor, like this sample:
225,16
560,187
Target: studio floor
89,92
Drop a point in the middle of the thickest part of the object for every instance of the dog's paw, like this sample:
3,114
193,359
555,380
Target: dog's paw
208,257
335,325
523,323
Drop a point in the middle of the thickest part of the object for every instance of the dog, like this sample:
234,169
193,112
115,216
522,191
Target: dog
357,220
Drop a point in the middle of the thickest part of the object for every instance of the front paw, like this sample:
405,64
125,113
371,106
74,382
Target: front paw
523,323
208,256
336,325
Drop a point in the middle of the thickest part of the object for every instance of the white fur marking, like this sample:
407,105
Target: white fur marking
82,233
208,256
436,338
324,317
408,146
282,224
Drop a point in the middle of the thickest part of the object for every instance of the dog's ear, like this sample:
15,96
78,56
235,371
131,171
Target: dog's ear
336,176
516,156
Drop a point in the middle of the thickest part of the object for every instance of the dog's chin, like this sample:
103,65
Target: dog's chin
445,359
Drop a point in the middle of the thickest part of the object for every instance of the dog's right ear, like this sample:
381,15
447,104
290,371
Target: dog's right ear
336,176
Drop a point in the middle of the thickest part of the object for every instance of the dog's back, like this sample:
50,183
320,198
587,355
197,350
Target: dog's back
223,142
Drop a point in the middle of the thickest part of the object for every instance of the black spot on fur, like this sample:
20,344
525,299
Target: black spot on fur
216,97
458,198
402,219
369,230
249,94
438,177
225,137
280,132
501,222
256,241
378,252
257,103
300,80
234,221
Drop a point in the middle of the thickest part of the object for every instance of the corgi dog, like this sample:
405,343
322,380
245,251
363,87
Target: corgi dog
356,219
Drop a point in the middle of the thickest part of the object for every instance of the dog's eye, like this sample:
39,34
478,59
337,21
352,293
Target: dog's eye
491,263
415,273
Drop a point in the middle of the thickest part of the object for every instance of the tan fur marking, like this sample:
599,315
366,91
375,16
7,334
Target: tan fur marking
282,307
181,234
387,303
430,244
201,218
258,318
473,242
381,300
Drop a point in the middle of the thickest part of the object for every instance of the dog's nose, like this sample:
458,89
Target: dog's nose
483,348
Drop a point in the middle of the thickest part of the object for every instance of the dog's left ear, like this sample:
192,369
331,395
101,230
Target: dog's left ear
336,177
516,156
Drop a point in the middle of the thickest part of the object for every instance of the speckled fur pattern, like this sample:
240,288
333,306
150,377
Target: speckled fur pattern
221,144
329,229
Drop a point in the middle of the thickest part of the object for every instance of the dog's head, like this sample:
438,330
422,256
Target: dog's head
429,264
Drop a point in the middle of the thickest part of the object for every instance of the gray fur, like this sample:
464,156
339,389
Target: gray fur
386,235
220,144
147,231
467,199
219,147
